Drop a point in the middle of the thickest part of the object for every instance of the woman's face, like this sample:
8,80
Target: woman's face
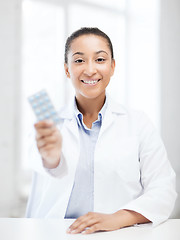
90,66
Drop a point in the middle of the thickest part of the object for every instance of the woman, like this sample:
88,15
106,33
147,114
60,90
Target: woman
104,164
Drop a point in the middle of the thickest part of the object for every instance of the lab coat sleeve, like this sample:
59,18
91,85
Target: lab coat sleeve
61,170
157,177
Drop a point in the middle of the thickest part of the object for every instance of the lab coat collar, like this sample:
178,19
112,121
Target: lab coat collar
68,112
114,106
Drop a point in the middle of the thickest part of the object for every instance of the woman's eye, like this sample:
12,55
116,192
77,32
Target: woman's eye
100,60
78,61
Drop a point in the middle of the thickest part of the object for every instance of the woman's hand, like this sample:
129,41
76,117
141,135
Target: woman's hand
93,222
49,143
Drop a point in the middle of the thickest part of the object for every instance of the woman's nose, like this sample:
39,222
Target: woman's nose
90,69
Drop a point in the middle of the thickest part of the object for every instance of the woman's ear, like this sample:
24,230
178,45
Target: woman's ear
66,70
113,64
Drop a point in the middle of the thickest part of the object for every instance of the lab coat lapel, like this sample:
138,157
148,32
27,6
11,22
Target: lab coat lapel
107,121
70,120
71,146
113,108
72,126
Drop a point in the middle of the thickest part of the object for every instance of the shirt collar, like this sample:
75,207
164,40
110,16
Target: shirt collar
70,110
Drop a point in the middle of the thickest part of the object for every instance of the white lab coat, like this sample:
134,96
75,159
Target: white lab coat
131,169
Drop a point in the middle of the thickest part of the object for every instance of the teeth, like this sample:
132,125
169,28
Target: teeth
90,82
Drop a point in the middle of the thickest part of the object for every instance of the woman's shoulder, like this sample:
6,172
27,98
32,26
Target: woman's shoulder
119,108
137,116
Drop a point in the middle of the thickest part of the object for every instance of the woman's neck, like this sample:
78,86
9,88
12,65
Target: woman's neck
89,106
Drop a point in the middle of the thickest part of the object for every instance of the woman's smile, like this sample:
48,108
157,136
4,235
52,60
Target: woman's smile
90,82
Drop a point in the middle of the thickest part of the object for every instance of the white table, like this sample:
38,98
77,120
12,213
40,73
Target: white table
51,229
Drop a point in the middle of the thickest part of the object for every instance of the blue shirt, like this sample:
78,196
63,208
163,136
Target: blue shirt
82,196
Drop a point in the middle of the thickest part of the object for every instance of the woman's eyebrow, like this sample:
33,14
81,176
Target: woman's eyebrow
101,51
78,53
81,53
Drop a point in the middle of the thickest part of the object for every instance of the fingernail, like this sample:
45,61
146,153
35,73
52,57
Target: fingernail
68,230
49,121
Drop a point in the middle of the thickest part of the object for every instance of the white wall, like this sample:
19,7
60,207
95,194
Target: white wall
170,85
9,85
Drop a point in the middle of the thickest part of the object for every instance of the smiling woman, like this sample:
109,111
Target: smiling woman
83,174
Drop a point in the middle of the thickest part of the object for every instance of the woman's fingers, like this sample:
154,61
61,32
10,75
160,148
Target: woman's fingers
44,128
82,225
87,222
43,124
93,222
49,142
42,142
44,132
94,228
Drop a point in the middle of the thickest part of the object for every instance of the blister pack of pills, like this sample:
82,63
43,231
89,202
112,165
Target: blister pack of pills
43,107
